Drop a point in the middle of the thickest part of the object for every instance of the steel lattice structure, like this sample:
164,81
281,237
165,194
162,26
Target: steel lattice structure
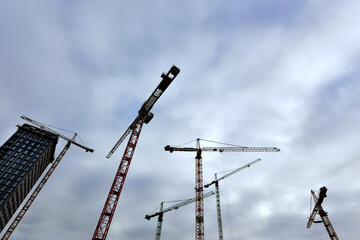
144,116
110,205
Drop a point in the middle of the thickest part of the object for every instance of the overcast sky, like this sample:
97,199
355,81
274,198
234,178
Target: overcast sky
270,73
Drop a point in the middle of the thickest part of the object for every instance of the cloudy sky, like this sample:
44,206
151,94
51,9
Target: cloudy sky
253,73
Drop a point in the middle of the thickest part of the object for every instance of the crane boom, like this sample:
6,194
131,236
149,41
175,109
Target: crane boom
176,206
179,205
144,116
42,126
199,209
233,172
223,149
144,113
216,182
324,216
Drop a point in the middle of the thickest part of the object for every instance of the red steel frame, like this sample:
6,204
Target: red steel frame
107,214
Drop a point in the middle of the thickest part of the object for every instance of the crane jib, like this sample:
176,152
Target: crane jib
163,85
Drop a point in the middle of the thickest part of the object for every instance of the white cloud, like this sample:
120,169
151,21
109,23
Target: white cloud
252,75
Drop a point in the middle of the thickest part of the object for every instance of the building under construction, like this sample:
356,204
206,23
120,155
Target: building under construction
23,159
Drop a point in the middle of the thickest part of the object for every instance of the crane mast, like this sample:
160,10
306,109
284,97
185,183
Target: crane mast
323,215
45,178
199,210
216,182
144,116
176,206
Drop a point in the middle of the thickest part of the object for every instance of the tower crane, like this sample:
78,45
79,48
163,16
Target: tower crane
144,116
324,216
216,182
47,175
199,208
176,206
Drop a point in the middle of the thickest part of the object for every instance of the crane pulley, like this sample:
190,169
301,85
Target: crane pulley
144,116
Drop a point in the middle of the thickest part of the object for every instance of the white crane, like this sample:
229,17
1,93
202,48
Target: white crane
176,206
46,177
216,182
199,208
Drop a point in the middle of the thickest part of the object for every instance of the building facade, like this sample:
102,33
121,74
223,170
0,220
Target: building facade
23,159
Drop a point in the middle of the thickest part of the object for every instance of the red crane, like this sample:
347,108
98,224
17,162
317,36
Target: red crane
144,116
199,210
